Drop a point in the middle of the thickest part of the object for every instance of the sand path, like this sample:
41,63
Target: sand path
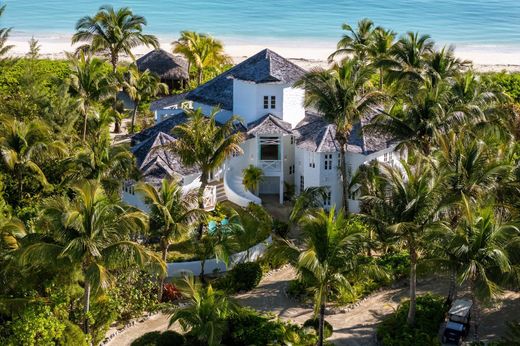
353,328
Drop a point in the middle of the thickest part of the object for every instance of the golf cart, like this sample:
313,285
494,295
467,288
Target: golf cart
457,327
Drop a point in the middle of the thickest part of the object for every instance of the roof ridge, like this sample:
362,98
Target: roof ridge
326,133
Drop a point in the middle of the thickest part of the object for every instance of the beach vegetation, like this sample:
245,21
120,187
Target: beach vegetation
75,260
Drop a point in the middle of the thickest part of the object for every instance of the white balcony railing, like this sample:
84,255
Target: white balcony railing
271,166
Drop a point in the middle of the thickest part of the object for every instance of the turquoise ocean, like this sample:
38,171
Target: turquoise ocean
478,23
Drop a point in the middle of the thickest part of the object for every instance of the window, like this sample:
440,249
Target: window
272,104
388,158
328,162
302,183
269,148
327,198
291,169
292,139
312,163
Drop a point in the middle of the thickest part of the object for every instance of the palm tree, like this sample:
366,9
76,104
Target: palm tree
24,146
410,54
171,214
355,42
309,199
252,177
219,243
470,170
89,82
480,244
206,316
327,256
99,160
408,206
205,143
201,51
12,231
93,234
341,96
413,119
142,86
443,64
4,36
113,32
380,51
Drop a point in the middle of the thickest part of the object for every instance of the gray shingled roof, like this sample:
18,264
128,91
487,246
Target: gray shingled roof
156,163
263,67
268,124
165,126
313,133
164,64
167,101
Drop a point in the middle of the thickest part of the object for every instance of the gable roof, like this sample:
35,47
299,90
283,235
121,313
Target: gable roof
314,133
263,67
164,64
155,162
268,124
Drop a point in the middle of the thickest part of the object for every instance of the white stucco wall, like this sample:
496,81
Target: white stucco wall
248,99
293,110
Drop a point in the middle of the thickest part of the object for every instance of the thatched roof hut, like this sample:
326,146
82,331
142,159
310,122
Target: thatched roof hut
173,70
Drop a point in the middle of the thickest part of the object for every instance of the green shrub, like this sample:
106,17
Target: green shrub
148,339
37,325
397,263
170,338
394,331
248,327
243,277
271,263
167,338
72,335
314,324
280,228
297,289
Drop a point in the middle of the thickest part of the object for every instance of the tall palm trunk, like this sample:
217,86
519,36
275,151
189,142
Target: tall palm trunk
344,175
164,245
476,312
200,199
413,284
199,78
85,119
381,79
452,291
117,122
86,309
321,323
134,115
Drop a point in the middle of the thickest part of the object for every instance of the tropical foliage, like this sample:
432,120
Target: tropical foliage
73,254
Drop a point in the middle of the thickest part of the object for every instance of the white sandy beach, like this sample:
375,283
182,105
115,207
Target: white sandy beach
486,58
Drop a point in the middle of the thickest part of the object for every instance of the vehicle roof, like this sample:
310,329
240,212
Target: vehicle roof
460,307
455,326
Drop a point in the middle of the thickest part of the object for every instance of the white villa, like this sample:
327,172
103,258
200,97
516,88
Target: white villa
290,144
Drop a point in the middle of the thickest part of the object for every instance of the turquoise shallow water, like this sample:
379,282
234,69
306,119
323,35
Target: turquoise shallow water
471,22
